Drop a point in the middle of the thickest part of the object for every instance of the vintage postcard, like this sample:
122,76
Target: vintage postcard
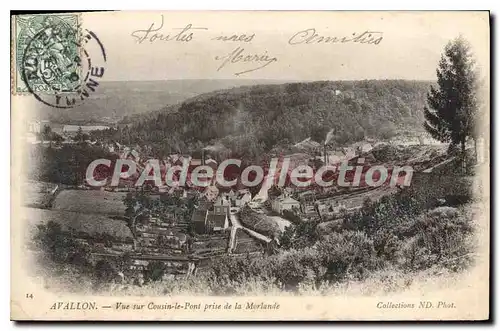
250,166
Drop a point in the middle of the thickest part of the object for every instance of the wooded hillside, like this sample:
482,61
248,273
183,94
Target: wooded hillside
251,120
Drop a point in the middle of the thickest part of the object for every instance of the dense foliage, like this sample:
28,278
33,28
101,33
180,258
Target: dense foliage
453,104
65,165
399,232
252,120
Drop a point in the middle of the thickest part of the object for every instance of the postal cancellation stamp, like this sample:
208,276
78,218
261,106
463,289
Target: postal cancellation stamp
46,47
53,61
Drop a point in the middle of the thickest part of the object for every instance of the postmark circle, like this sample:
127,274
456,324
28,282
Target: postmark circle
58,69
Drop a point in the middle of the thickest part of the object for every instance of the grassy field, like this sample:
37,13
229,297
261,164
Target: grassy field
91,202
36,193
89,223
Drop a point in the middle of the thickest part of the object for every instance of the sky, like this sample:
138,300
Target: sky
409,48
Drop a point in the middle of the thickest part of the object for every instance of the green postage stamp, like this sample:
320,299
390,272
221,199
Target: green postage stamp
46,53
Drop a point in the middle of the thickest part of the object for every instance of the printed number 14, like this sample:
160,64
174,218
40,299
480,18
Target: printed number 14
29,295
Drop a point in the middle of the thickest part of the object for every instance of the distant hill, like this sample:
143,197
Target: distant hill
114,100
251,120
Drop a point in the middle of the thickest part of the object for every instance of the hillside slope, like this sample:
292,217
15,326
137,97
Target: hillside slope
114,100
251,120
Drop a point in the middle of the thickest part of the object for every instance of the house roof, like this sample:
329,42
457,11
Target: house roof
204,205
243,194
287,200
196,162
307,144
211,190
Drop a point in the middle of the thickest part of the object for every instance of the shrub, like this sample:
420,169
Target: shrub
104,271
230,268
392,213
441,235
300,235
386,244
155,271
347,254
291,216
61,247
326,228
286,239
293,267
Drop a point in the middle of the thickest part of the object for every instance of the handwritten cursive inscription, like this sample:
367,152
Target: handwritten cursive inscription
238,55
241,38
309,36
153,34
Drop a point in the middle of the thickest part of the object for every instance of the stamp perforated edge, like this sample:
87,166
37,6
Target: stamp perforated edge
13,44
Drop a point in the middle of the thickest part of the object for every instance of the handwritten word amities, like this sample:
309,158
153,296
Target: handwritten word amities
309,36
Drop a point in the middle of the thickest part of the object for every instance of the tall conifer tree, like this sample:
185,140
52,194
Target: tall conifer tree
452,105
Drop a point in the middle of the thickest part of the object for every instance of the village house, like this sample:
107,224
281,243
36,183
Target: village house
208,221
336,156
362,147
214,217
234,198
130,154
218,219
350,152
217,222
211,163
195,163
222,204
284,202
210,193
114,147
34,126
